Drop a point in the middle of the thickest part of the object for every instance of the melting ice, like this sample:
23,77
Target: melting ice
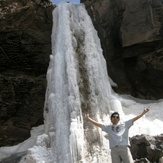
77,83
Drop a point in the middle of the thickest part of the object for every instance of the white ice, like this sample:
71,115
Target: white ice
77,83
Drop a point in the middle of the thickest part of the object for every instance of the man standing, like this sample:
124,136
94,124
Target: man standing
118,136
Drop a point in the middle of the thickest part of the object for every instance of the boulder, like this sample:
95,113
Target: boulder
145,147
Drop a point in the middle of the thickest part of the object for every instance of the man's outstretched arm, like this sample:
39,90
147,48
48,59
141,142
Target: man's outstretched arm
92,121
140,115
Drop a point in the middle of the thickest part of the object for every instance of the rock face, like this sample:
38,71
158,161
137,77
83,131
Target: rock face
131,34
145,148
25,46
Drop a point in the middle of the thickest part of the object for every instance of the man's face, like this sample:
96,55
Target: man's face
115,119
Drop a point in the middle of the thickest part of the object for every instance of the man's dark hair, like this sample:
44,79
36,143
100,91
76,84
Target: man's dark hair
115,113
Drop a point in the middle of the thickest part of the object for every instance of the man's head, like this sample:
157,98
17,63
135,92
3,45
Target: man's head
115,118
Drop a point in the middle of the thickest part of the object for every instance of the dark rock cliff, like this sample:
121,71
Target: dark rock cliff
131,34
25,45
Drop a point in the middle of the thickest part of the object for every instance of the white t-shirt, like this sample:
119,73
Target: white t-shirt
118,134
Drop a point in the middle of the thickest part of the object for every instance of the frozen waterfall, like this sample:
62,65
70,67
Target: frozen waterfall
78,83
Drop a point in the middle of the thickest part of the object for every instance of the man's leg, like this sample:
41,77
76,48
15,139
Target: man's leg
114,155
125,155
